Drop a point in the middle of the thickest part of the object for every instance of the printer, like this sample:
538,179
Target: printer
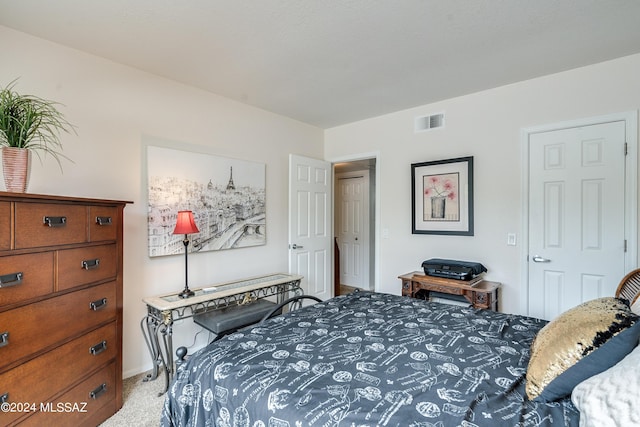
452,269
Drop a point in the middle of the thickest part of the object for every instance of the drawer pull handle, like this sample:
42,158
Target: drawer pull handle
98,348
91,264
94,394
4,398
98,304
55,221
12,279
4,339
104,220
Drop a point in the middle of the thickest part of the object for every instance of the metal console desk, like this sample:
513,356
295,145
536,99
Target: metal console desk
163,310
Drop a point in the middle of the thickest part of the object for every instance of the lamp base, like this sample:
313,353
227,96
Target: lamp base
186,293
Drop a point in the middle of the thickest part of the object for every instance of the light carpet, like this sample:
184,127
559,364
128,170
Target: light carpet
142,406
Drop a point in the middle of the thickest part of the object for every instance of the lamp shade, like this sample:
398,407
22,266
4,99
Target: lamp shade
185,223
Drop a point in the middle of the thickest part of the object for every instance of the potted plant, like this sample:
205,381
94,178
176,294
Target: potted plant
28,123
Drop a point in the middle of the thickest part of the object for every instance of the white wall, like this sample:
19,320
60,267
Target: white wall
116,110
485,125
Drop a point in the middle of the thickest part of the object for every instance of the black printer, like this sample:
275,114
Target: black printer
452,269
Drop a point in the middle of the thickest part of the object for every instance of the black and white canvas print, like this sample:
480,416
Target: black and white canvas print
227,197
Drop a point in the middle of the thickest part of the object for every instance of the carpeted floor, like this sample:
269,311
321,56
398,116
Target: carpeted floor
346,289
142,405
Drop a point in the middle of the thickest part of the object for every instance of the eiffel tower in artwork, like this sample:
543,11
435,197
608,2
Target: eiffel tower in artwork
231,185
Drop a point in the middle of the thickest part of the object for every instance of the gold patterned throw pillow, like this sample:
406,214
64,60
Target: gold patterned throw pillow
580,343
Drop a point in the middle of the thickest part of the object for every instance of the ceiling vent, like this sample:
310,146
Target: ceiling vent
425,123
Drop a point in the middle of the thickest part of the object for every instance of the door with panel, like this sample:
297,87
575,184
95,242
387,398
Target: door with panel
310,240
352,227
576,216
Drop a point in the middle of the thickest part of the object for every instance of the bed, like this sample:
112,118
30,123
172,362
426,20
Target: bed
368,359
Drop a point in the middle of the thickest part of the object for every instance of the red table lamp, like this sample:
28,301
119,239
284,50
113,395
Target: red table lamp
186,225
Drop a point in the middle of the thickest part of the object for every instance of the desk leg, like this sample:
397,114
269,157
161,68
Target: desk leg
286,289
407,288
167,338
151,329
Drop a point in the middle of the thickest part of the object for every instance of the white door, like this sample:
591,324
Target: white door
310,242
352,228
576,216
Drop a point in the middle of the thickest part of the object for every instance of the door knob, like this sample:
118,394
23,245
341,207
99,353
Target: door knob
538,258
294,246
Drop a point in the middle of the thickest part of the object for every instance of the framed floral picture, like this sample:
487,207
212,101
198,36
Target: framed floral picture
442,197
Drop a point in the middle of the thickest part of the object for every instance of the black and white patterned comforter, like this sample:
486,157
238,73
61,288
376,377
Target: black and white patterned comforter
366,359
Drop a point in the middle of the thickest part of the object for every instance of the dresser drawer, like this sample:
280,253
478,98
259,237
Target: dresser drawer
103,223
43,324
86,265
25,276
5,226
43,224
46,376
80,404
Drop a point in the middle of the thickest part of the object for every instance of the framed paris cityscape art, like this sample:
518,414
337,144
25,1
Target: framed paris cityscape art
442,197
227,197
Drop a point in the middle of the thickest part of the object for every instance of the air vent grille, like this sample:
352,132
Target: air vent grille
425,123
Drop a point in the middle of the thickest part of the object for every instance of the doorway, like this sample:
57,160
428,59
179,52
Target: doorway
354,225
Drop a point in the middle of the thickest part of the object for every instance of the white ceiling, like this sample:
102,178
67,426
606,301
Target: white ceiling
330,62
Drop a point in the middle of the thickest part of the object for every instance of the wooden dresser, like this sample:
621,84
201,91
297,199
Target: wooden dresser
60,309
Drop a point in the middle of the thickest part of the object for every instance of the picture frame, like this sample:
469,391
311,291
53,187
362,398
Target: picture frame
442,197
226,195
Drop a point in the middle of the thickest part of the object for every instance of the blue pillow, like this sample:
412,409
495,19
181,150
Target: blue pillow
578,344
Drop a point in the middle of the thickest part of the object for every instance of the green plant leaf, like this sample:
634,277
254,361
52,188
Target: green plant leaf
33,123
